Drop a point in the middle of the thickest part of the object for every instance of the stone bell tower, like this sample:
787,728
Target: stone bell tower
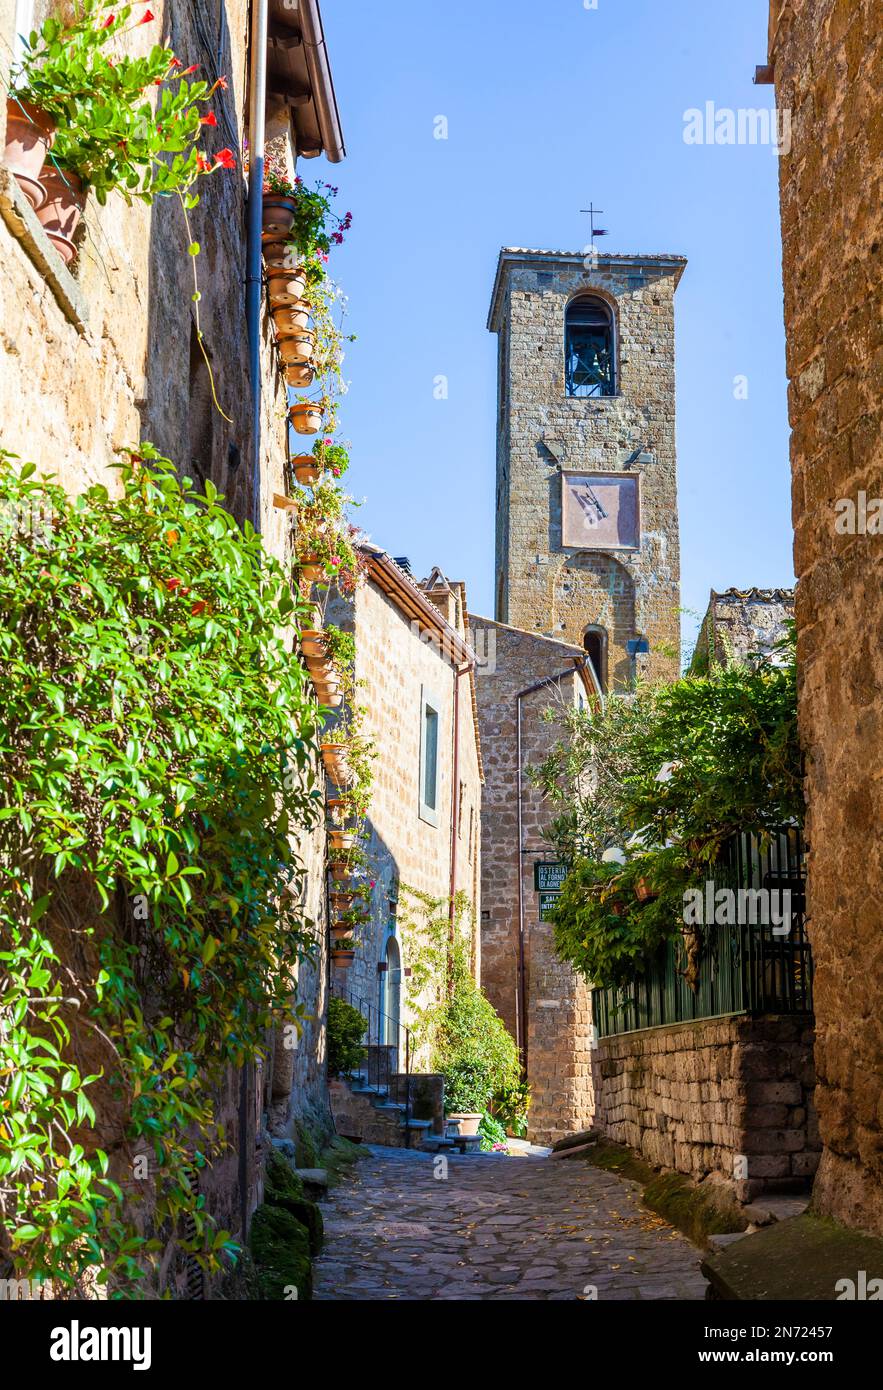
587,545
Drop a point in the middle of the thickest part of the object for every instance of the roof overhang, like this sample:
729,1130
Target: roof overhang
511,256
414,604
299,73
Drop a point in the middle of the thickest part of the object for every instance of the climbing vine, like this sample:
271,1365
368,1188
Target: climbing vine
156,752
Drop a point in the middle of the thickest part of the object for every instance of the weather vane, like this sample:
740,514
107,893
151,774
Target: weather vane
592,212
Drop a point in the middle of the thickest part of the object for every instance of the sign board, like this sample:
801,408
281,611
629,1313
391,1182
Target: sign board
548,876
548,901
601,511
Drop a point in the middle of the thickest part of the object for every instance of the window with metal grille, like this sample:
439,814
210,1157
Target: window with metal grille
589,365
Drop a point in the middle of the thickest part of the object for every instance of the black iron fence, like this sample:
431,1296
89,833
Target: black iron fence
755,957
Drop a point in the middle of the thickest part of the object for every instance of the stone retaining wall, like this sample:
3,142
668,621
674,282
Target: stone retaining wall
732,1096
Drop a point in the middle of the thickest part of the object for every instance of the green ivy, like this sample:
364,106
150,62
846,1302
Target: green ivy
157,752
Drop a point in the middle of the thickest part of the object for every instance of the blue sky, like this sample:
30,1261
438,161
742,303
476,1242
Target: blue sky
549,106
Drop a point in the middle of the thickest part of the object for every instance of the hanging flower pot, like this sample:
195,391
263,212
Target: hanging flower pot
299,348
321,668
29,136
343,959
277,214
312,642
341,839
60,213
299,375
340,933
312,568
291,318
340,870
306,469
341,901
326,696
285,286
306,417
335,757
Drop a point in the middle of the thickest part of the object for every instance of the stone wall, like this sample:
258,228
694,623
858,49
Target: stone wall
555,1021
396,661
541,585
741,622
105,356
727,1096
826,56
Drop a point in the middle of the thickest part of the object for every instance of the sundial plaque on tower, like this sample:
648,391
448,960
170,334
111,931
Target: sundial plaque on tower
601,511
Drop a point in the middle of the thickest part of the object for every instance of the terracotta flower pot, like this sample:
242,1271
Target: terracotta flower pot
341,839
297,349
285,286
312,568
332,698
277,214
335,757
29,137
291,319
60,213
343,959
467,1123
312,642
341,901
306,417
340,870
340,933
298,375
321,668
306,469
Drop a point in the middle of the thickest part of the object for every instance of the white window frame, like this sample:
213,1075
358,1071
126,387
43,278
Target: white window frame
429,702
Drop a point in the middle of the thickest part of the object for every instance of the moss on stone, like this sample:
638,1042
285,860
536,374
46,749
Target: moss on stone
803,1259
697,1211
339,1156
280,1248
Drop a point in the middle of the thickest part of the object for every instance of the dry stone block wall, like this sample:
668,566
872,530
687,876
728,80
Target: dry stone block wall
826,56
732,1096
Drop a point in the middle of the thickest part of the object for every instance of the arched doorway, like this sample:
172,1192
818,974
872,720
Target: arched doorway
595,643
391,994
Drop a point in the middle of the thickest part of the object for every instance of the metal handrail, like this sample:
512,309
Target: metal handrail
376,1021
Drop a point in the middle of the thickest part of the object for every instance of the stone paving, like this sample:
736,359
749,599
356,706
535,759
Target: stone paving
496,1227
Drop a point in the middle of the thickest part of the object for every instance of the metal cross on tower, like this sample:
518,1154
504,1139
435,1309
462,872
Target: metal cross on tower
592,212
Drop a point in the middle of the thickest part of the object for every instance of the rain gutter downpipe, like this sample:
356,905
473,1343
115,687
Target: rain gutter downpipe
257,126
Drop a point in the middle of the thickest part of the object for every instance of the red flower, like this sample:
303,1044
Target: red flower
194,67
198,607
201,164
172,584
174,62
225,159
145,18
210,119
108,22
222,83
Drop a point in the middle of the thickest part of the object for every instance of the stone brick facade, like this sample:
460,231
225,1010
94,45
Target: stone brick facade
542,1001
408,648
729,1096
826,57
740,622
105,355
543,586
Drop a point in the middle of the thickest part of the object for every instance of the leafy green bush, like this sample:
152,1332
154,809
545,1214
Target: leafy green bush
156,755
510,1106
346,1029
493,1134
667,776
